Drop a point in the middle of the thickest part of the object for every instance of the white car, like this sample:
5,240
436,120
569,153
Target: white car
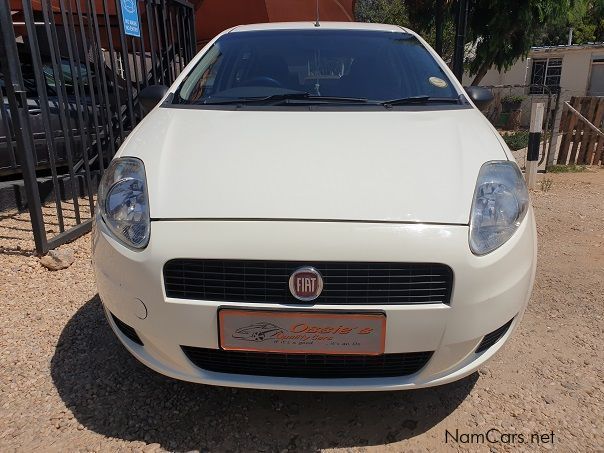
314,208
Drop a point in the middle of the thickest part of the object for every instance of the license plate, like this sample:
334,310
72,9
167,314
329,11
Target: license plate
302,332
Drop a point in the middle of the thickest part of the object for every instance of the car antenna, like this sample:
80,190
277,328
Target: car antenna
317,24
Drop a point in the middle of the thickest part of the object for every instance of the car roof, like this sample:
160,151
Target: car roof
323,26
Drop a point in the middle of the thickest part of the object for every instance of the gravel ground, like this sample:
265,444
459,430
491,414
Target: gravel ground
66,384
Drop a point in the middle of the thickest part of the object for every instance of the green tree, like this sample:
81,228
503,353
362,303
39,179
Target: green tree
422,18
502,31
417,15
382,12
499,31
585,17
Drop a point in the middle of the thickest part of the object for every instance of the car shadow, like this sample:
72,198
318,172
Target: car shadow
111,393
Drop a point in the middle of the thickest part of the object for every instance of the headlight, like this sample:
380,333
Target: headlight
123,202
500,203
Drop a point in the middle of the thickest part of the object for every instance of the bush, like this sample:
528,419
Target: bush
517,140
566,168
513,99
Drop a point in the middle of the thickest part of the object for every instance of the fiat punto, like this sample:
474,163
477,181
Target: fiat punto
314,208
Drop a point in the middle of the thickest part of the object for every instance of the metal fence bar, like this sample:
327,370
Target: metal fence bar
179,37
136,77
169,69
44,106
78,84
126,65
70,234
170,27
145,78
95,118
100,65
10,146
62,98
113,63
17,99
150,23
159,47
190,26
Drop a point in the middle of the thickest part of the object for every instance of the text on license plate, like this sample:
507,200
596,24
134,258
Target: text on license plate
302,332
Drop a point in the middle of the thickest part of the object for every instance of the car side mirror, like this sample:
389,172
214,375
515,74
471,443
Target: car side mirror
480,96
150,96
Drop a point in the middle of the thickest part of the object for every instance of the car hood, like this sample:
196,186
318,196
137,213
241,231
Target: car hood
398,166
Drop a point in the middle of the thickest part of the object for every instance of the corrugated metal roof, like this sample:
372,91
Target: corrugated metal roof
589,45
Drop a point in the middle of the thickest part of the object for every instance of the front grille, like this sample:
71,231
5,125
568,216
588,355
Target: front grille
344,282
307,365
127,330
492,338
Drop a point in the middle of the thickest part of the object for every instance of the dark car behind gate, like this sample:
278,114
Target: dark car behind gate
70,74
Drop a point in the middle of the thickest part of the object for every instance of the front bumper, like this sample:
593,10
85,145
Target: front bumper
488,292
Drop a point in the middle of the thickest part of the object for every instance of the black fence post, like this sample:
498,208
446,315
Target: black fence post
460,38
439,23
17,99
126,67
532,155
41,89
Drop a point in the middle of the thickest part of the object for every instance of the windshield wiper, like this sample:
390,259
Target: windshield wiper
276,99
304,98
328,99
253,99
419,100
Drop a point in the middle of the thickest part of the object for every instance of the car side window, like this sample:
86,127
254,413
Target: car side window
200,82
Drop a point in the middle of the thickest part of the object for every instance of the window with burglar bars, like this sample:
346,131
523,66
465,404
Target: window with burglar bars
546,72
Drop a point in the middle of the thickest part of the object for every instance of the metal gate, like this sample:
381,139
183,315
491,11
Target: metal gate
527,95
70,74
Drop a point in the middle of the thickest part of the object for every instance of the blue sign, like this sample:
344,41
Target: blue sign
130,17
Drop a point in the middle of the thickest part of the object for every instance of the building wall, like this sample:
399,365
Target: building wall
576,67
513,76
574,78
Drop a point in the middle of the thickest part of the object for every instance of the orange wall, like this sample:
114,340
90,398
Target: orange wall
214,16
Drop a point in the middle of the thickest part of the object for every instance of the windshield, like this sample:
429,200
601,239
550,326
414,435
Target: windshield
316,65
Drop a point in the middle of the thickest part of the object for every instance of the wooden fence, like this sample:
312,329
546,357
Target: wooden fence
581,125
